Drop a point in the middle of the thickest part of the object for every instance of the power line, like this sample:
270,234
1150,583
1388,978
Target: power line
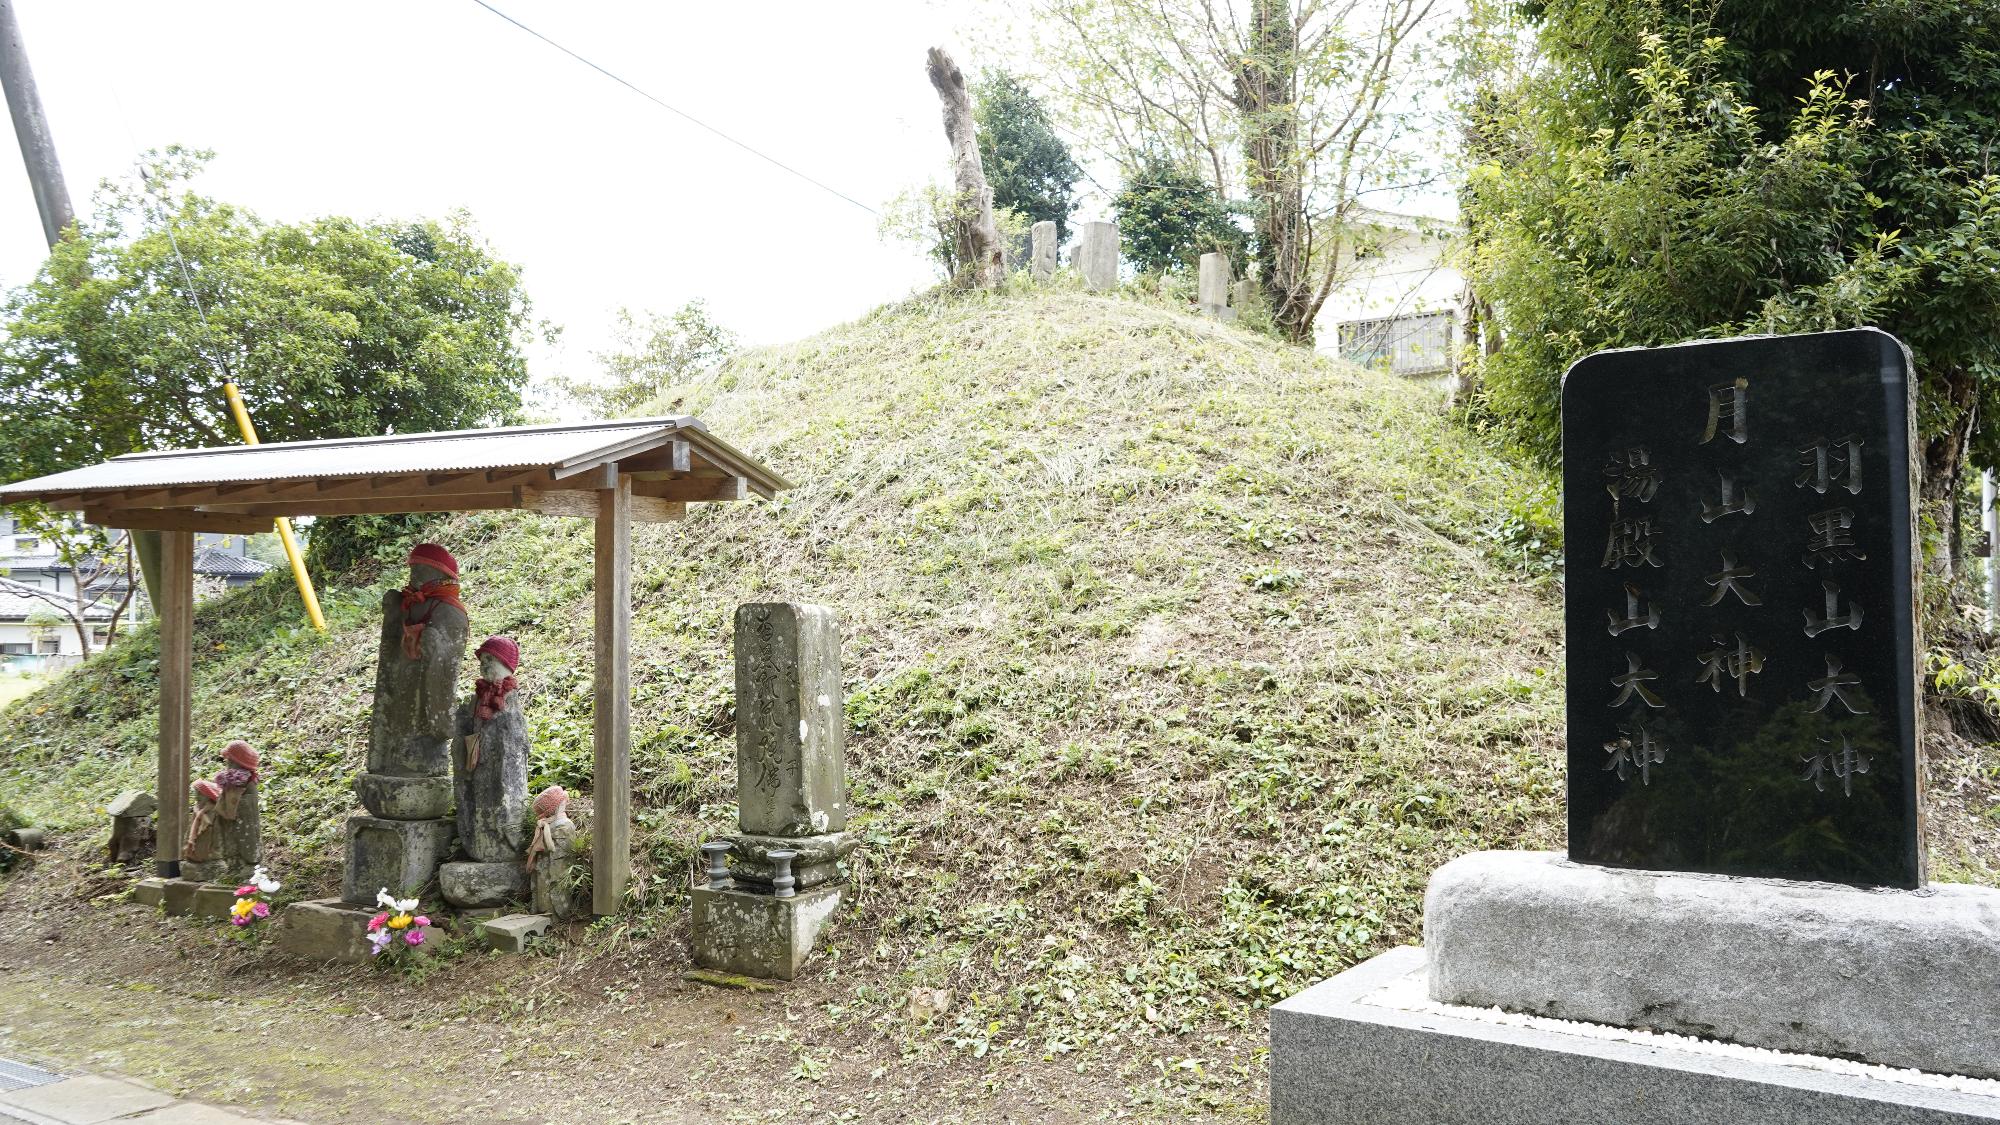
684,115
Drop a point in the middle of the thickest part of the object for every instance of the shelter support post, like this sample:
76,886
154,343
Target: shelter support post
176,610
611,705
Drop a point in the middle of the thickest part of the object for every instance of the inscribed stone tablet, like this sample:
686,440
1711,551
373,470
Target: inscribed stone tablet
1741,639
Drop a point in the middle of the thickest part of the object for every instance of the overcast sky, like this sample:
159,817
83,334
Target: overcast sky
377,108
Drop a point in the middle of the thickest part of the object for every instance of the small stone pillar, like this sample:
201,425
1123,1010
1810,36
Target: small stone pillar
132,835
1097,256
407,788
1212,287
490,764
791,788
225,835
1242,295
1042,249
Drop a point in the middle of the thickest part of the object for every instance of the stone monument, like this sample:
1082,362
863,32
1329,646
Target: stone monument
1212,286
1745,855
1042,250
132,833
759,916
224,841
490,761
1097,255
407,788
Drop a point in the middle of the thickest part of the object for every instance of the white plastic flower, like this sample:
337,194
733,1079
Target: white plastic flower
261,879
393,904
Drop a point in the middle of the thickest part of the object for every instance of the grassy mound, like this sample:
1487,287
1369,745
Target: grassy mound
1176,660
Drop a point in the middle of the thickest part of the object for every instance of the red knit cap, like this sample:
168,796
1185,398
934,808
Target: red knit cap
435,557
208,789
239,753
503,649
551,801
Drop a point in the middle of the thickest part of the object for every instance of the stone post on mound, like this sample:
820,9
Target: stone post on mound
1212,288
784,877
1097,256
1042,250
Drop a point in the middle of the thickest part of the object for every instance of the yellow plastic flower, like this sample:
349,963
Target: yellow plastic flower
400,921
243,906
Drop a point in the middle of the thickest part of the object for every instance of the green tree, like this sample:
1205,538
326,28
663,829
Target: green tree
1027,165
331,327
1168,217
1668,171
653,354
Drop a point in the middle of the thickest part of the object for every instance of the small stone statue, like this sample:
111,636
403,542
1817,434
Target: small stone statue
424,631
491,764
493,759
550,853
224,838
131,826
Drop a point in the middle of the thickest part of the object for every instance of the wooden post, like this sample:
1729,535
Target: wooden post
611,703
176,611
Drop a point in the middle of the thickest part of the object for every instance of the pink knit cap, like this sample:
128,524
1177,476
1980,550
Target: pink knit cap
551,801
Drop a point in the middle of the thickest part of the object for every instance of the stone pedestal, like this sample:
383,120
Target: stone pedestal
1097,255
1042,250
818,859
1897,978
757,935
472,885
513,932
177,896
330,930
400,855
1345,1052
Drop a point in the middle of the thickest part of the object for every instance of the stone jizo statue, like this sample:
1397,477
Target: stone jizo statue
225,835
424,632
550,851
493,759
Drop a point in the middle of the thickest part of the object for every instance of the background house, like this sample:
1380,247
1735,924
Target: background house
1397,305
37,636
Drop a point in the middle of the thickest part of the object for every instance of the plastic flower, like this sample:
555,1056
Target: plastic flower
414,937
422,920
377,942
400,922
377,922
261,879
243,906
240,920
382,898
245,891
261,910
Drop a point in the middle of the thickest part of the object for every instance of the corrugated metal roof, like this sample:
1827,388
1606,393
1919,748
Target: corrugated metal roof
217,562
509,447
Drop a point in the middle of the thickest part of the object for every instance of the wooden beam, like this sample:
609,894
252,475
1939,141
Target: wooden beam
383,505
584,505
611,704
645,441
176,611
177,519
695,489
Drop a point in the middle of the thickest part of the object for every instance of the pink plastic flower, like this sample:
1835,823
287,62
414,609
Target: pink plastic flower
423,921
377,922
245,891
414,937
261,910
240,920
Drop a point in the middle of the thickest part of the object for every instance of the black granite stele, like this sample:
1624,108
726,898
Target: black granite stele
1741,639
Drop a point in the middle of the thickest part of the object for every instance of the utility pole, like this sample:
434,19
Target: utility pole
31,128
38,153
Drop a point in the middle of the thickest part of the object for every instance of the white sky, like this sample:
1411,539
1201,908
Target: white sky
378,108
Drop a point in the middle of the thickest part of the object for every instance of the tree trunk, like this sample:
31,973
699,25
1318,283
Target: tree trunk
976,240
1944,453
1266,78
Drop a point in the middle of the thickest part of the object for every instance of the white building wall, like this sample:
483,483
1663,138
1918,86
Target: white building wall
1402,273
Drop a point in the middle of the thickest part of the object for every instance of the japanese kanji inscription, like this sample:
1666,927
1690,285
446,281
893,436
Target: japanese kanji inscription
1742,643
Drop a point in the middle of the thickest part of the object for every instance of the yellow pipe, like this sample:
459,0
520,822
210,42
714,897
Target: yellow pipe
284,525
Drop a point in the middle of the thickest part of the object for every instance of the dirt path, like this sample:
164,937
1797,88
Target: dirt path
607,1032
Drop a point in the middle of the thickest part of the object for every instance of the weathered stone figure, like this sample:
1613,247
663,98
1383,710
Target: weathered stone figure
491,763
407,788
424,632
132,826
224,840
1042,249
551,854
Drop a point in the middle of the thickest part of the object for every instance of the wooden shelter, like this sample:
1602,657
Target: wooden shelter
647,470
